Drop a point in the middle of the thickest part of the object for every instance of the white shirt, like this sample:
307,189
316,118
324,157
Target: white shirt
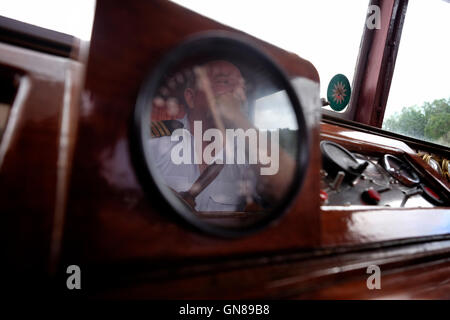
228,191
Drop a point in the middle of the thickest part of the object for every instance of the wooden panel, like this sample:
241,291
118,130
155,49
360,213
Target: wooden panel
35,38
111,217
30,158
361,226
318,274
375,83
425,282
359,141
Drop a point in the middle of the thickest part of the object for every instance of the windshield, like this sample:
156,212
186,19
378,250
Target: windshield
326,32
419,98
69,16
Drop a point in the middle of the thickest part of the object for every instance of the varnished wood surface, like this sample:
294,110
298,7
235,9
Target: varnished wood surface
113,224
350,226
375,83
36,38
110,216
428,281
68,187
358,141
30,158
308,275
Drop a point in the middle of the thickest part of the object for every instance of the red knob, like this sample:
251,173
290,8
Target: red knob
323,196
371,196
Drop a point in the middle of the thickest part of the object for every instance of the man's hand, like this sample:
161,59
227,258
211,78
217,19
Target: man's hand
231,109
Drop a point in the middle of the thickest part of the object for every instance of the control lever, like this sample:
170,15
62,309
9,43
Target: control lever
357,172
409,194
338,180
359,169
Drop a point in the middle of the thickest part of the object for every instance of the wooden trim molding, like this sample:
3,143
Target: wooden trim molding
35,38
377,78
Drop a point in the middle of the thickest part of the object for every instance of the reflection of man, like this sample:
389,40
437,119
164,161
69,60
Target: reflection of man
216,98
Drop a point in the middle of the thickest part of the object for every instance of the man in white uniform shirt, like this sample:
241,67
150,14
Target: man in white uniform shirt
236,184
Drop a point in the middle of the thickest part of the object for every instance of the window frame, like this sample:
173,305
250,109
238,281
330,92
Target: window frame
379,68
375,66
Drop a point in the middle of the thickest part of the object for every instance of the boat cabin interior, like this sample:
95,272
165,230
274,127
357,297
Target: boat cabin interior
173,156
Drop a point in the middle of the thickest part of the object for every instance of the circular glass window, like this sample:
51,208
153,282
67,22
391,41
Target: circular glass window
221,132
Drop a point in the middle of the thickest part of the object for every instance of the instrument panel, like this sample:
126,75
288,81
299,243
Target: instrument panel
355,179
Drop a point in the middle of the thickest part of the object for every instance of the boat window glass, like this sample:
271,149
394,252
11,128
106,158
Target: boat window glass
70,16
419,99
327,32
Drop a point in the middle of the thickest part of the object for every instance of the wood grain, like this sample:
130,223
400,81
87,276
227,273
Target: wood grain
30,158
111,217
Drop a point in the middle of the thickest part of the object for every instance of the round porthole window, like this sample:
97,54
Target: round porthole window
222,135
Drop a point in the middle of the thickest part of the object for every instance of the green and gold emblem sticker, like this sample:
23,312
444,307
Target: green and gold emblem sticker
338,93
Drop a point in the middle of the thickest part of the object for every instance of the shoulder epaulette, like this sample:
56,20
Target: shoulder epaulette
164,127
